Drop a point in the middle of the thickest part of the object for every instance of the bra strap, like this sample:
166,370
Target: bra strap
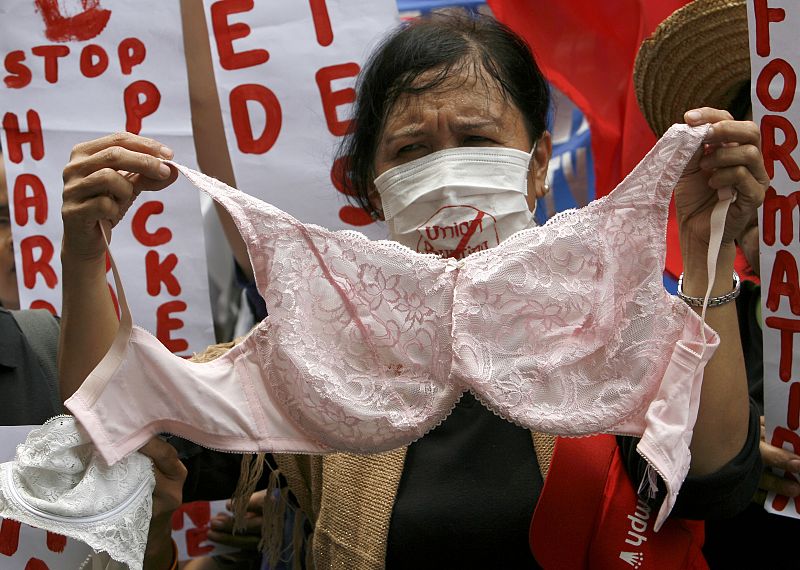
726,197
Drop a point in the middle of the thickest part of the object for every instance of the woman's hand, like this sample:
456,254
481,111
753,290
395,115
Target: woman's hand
222,525
167,497
777,458
101,181
730,158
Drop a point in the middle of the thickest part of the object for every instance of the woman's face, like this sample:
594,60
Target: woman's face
467,110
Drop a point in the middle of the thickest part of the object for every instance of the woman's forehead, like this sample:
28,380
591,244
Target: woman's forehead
467,94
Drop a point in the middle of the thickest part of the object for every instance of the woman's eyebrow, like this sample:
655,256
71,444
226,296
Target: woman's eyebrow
473,123
404,132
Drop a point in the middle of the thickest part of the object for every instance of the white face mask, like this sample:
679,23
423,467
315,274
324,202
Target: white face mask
457,201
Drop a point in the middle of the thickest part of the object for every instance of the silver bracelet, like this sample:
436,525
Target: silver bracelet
712,301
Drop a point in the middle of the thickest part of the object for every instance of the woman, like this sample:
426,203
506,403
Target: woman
463,495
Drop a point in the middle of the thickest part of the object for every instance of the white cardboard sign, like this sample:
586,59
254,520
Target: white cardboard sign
285,73
74,71
775,64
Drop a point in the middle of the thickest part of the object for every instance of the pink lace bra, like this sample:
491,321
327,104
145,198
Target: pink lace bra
564,328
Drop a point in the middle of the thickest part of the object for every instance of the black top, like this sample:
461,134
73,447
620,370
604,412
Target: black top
469,488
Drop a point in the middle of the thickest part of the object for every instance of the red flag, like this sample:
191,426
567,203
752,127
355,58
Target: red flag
587,50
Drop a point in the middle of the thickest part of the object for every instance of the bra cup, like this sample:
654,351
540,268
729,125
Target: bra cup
562,328
530,312
360,353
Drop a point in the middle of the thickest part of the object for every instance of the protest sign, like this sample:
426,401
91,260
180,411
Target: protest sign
775,62
75,71
285,73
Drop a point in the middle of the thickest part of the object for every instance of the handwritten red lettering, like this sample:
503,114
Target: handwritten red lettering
56,542
166,324
131,52
51,53
80,27
788,328
781,436
246,140
36,564
773,205
139,225
16,137
322,22
160,271
195,537
784,282
37,265
773,151
23,201
42,304
333,99
764,16
142,99
199,512
768,74
793,409
94,61
9,537
19,73
225,32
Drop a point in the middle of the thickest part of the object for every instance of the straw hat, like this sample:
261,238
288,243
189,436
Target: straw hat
697,57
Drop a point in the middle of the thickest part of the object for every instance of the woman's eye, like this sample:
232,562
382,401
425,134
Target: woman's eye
477,140
409,148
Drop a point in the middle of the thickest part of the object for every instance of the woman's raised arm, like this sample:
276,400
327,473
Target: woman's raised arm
732,159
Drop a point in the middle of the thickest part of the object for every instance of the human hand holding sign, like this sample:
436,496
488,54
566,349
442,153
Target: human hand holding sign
777,458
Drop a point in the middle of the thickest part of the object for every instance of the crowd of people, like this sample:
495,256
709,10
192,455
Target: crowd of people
477,489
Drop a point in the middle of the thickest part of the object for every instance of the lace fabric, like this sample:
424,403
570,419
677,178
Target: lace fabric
58,482
564,328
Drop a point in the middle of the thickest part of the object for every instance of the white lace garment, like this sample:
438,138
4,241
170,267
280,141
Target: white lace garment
58,482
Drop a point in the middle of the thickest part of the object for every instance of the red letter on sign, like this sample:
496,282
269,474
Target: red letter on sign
137,108
322,22
131,52
784,282
161,272
32,267
765,15
17,138
36,564
51,55
139,225
165,324
9,537
780,436
20,73
22,201
332,99
195,537
81,27
781,152
94,60
787,327
793,409
199,512
773,203
240,116
771,70
225,33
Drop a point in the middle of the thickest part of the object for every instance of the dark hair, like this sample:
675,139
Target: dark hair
446,43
